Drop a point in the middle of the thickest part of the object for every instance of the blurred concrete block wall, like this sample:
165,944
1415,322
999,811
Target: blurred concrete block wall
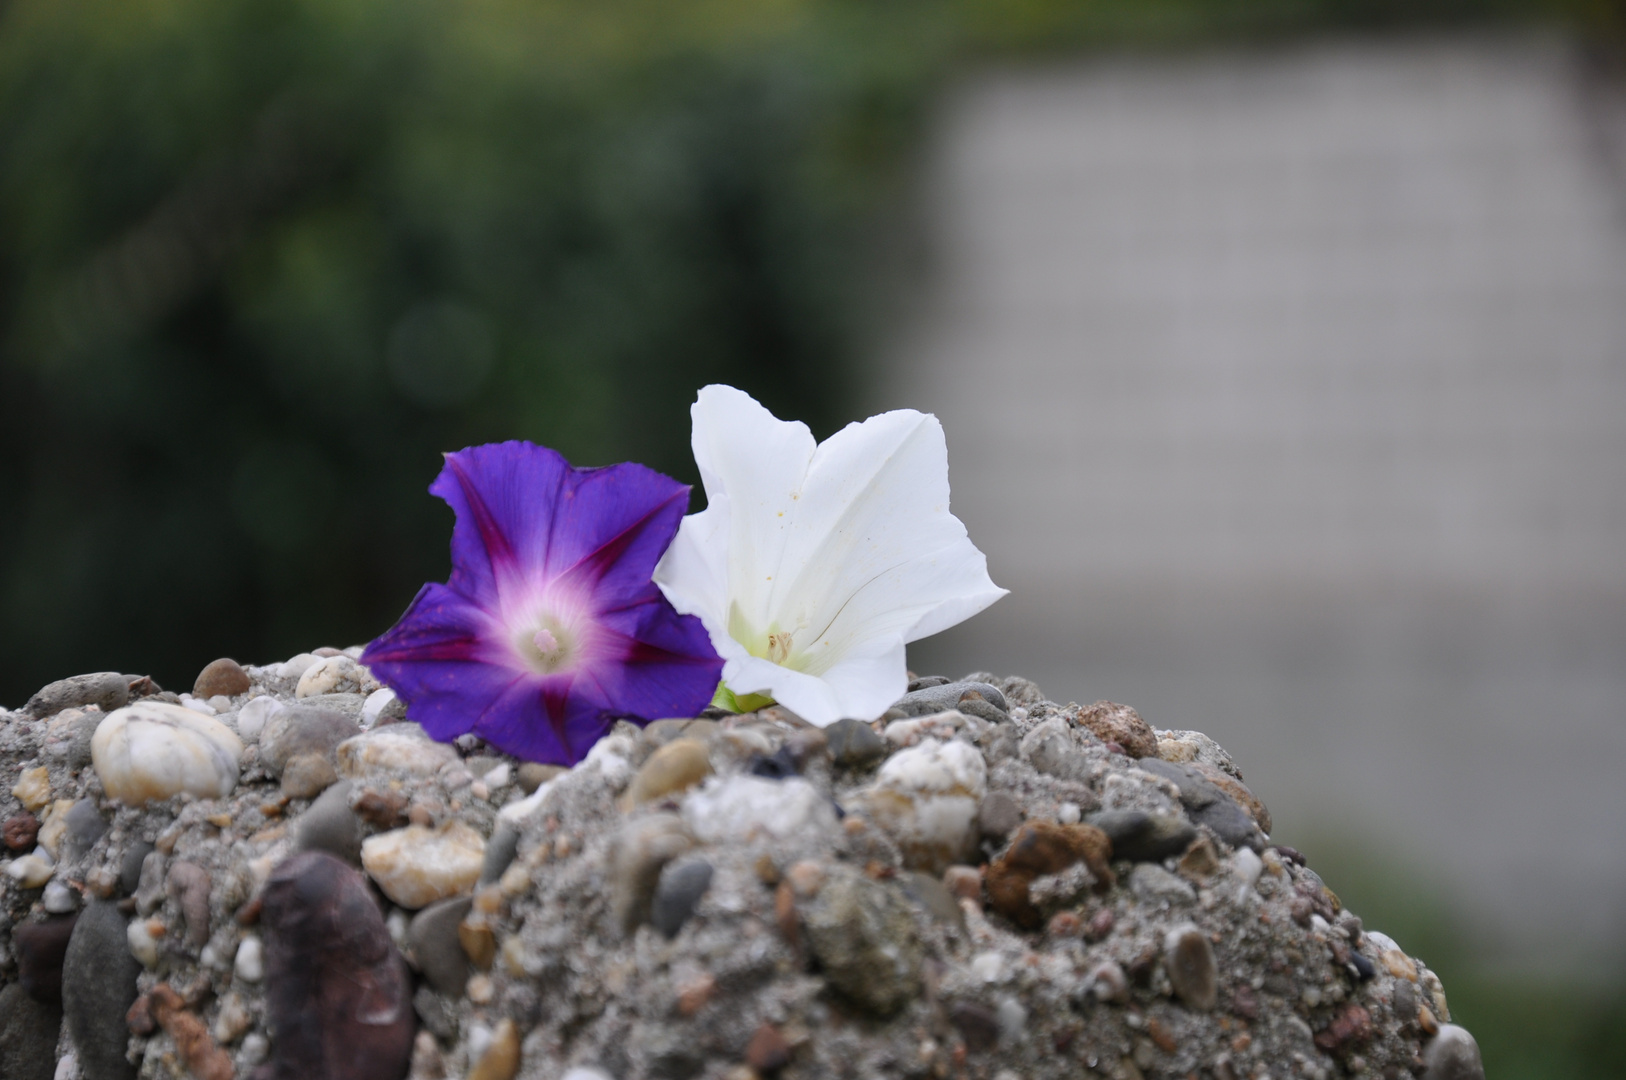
1287,393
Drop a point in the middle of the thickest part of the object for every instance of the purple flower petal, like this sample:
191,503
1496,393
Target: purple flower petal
550,627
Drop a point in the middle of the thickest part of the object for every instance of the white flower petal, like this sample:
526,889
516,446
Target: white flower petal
811,566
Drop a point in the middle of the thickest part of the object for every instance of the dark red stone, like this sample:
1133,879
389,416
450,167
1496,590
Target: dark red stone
338,997
1351,1025
41,947
20,830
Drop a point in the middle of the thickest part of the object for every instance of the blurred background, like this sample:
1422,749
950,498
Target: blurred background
1281,346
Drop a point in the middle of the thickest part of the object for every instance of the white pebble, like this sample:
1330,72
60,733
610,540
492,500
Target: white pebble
142,944
197,705
1013,1019
988,966
374,706
255,1048
1069,814
1248,865
32,870
67,1068
209,957
584,1072
398,924
497,778
734,808
152,750
479,1038
250,963
59,899
328,675
295,666
252,717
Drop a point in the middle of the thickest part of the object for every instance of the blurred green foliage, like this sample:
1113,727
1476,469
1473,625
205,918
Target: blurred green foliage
264,260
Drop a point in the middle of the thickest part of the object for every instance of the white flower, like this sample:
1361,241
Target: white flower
813,564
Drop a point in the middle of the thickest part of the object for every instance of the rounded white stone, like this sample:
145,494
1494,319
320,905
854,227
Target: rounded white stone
331,674
59,899
142,944
374,706
416,866
250,962
734,808
32,870
152,750
251,718
396,748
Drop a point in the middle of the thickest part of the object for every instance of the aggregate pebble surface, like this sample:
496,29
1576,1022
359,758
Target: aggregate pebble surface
278,875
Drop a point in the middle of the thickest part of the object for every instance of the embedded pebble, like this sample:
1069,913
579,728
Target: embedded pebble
674,768
682,883
107,690
500,851
1142,837
1452,1054
85,823
396,748
33,788
252,718
303,731
1114,723
331,675
188,885
224,676
325,940
58,899
1189,957
306,776
641,849
945,696
28,1035
1154,885
433,939
98,988
32,870
41,949
501,1058
1040,848
330,825
416,866
738,807
249,963
153,750
852,743
20,831
927,799
865,941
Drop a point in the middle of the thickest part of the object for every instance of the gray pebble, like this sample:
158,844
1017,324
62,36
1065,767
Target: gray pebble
81,731
108,690
28,1035
330,825
432,936
682,884
85,824
98,988
1189,958
150,893
1452,1055
130,866
852,743
500,851
931,894
1152,884
999,816
306,776
1207,803
437,1014
864,938
303,729
188,885
1142,837
936,699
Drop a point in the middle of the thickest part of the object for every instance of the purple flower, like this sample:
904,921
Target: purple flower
550,627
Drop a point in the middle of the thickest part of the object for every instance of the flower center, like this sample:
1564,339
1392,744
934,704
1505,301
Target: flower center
780,644
548,646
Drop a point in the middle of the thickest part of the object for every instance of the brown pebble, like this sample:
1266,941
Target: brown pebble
188,885
419,815
806,878
501,1059
1100,925
1237,790
1114,723
1351,1026
204,1059
767,870
223,676
1065,924
478,942
694,994
1041,847
1426,1021
674,768
1193,972
139,1019
219,821
767,1052
1161,1034
1201,861
385,809
964,882
41,948
785,915
20,831
532,775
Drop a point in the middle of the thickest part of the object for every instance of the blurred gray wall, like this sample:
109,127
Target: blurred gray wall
1287,393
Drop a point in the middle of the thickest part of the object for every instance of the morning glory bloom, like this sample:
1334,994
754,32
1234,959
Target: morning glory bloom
550,627
813,564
